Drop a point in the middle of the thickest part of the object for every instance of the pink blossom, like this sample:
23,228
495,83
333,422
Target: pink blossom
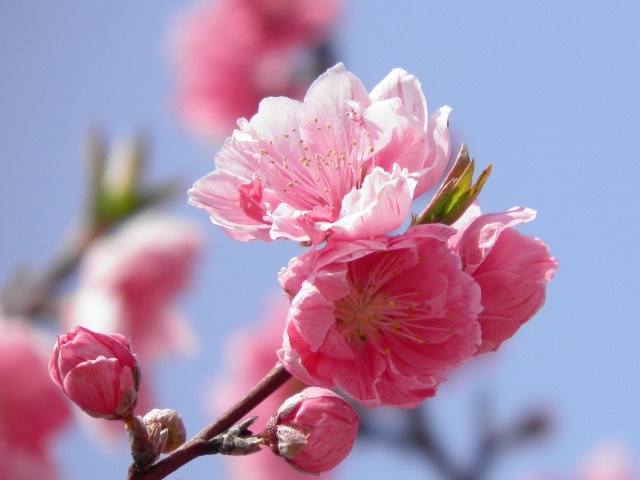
98,372
243,372
131,281
314,430
608,461
380,319
24,464
343,162
230,54
511,269
32,409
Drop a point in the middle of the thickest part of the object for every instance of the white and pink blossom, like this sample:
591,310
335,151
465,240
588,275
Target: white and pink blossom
343,162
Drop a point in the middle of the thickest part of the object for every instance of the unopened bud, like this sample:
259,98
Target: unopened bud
169,424
97,371
314,430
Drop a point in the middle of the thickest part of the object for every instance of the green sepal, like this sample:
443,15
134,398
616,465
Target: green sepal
456,193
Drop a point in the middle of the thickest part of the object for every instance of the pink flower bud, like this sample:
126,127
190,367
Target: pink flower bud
314,430
98,372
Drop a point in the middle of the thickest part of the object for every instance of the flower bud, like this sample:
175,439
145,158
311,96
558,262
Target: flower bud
314,430
98,372
169,421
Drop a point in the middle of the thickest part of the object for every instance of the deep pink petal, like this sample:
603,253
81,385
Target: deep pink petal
95,386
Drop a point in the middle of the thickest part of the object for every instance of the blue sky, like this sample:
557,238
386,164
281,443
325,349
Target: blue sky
546,91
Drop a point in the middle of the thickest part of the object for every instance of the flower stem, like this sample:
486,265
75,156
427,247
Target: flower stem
199,445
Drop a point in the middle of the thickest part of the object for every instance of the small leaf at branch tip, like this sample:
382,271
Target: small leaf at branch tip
457,192
116,186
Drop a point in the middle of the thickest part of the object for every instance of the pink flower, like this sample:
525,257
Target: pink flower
98,372
243,372
609,461
314,430
343,162
230,54
130,282
512,270
32,409
380,319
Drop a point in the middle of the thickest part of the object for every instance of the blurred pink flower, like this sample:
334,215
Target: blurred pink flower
380,319
32,408
230,54
314,430
130,282
243,372
344,162
512,270
608,461
97,371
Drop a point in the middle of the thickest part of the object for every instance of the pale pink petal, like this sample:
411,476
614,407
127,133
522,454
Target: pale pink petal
439,150
396,136
380,206
345,92
218,194
400,84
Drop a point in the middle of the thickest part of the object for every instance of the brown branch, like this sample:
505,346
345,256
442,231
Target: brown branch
29,296
200,445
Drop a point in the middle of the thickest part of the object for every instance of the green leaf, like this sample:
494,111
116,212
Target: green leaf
456,193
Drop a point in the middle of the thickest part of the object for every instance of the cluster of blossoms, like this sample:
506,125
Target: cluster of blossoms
382,317
230,54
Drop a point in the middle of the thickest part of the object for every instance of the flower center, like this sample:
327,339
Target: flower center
371,314
322,168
